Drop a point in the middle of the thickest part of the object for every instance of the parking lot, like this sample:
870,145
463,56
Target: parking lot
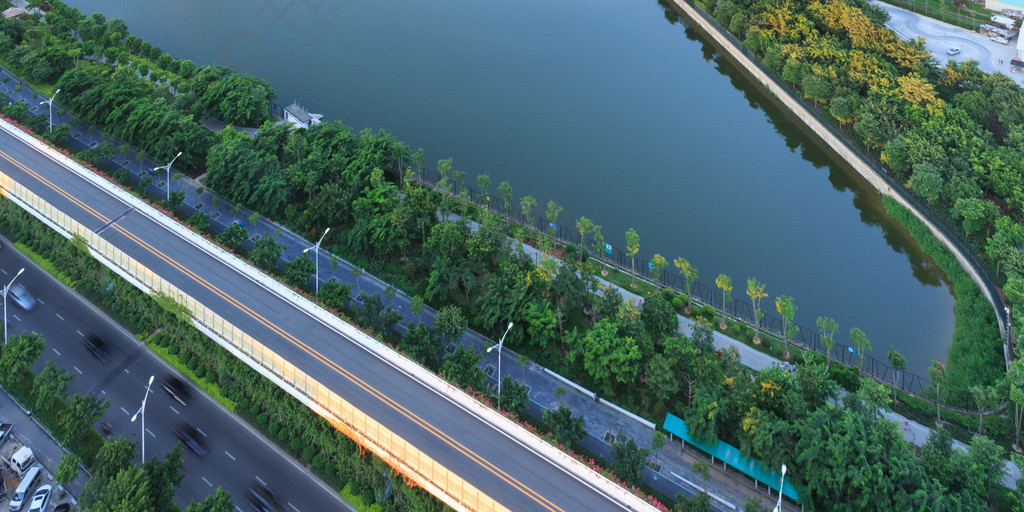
939,37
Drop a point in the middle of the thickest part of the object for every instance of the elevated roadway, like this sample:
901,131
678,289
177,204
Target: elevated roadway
507,467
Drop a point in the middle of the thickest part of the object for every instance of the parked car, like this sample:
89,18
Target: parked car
264,500
191,438
999,39
63,507
41,500
177,389
953,51
97,347
21,297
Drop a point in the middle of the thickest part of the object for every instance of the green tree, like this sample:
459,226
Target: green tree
67,469
20,352
164,476
976,213
218,502
898,362
526,205
629,459
423,343
267,252
632,247
552,215
1015,392
863,346
987,399
568,429
51,384
609,358
450,324
233,235
755,290
506,197
784,305
658,263
416,305
85,410
688,271
725,284
483,183
828,328
460,368
874,395
515,396
585,226
661,380
658,317
298,271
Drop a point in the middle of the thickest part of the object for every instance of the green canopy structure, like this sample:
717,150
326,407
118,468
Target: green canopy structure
732,456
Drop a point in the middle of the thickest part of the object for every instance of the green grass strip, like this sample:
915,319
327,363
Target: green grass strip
46,264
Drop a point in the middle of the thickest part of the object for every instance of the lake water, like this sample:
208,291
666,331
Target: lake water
606,108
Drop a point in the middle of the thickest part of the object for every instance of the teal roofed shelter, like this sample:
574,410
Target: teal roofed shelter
732,456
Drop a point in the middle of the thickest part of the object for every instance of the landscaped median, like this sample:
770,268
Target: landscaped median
384,353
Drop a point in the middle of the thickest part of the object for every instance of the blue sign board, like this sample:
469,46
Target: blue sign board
608,248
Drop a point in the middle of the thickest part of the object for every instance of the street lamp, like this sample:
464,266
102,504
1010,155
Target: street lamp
316,278
498,346
50,103
6,289
142,412
778,506
168,167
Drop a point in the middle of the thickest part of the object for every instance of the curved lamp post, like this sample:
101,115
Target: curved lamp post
778,506
500,343
6,289
168,167
50,103
316,257
142,412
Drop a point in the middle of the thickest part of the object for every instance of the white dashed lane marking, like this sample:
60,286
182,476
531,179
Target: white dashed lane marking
229,455
58,316
173,409
77,370
207,482
55,350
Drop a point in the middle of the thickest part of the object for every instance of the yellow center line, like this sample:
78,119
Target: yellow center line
541,500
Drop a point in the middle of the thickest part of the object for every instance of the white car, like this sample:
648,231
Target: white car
953,51
999,39
41,499
21,297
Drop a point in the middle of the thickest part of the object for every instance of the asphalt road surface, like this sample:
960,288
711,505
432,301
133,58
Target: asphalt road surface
509,472
237,457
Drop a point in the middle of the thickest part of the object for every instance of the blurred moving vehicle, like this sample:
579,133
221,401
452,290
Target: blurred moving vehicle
177,389
953,51
97,347
21,297
191,438
264,500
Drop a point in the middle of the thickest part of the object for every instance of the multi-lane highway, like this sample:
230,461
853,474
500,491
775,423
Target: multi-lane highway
510,472
237,456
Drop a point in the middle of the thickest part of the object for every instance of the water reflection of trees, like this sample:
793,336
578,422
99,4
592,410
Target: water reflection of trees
798,139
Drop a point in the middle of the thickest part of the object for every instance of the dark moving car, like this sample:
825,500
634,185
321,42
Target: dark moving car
264,500
191,438
97,347
177,389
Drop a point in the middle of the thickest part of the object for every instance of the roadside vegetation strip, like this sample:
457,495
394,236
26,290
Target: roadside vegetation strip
46,264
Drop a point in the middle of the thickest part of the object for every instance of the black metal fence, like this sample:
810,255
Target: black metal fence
738,309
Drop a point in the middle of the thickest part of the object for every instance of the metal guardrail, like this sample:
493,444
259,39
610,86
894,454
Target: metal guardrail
440,481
